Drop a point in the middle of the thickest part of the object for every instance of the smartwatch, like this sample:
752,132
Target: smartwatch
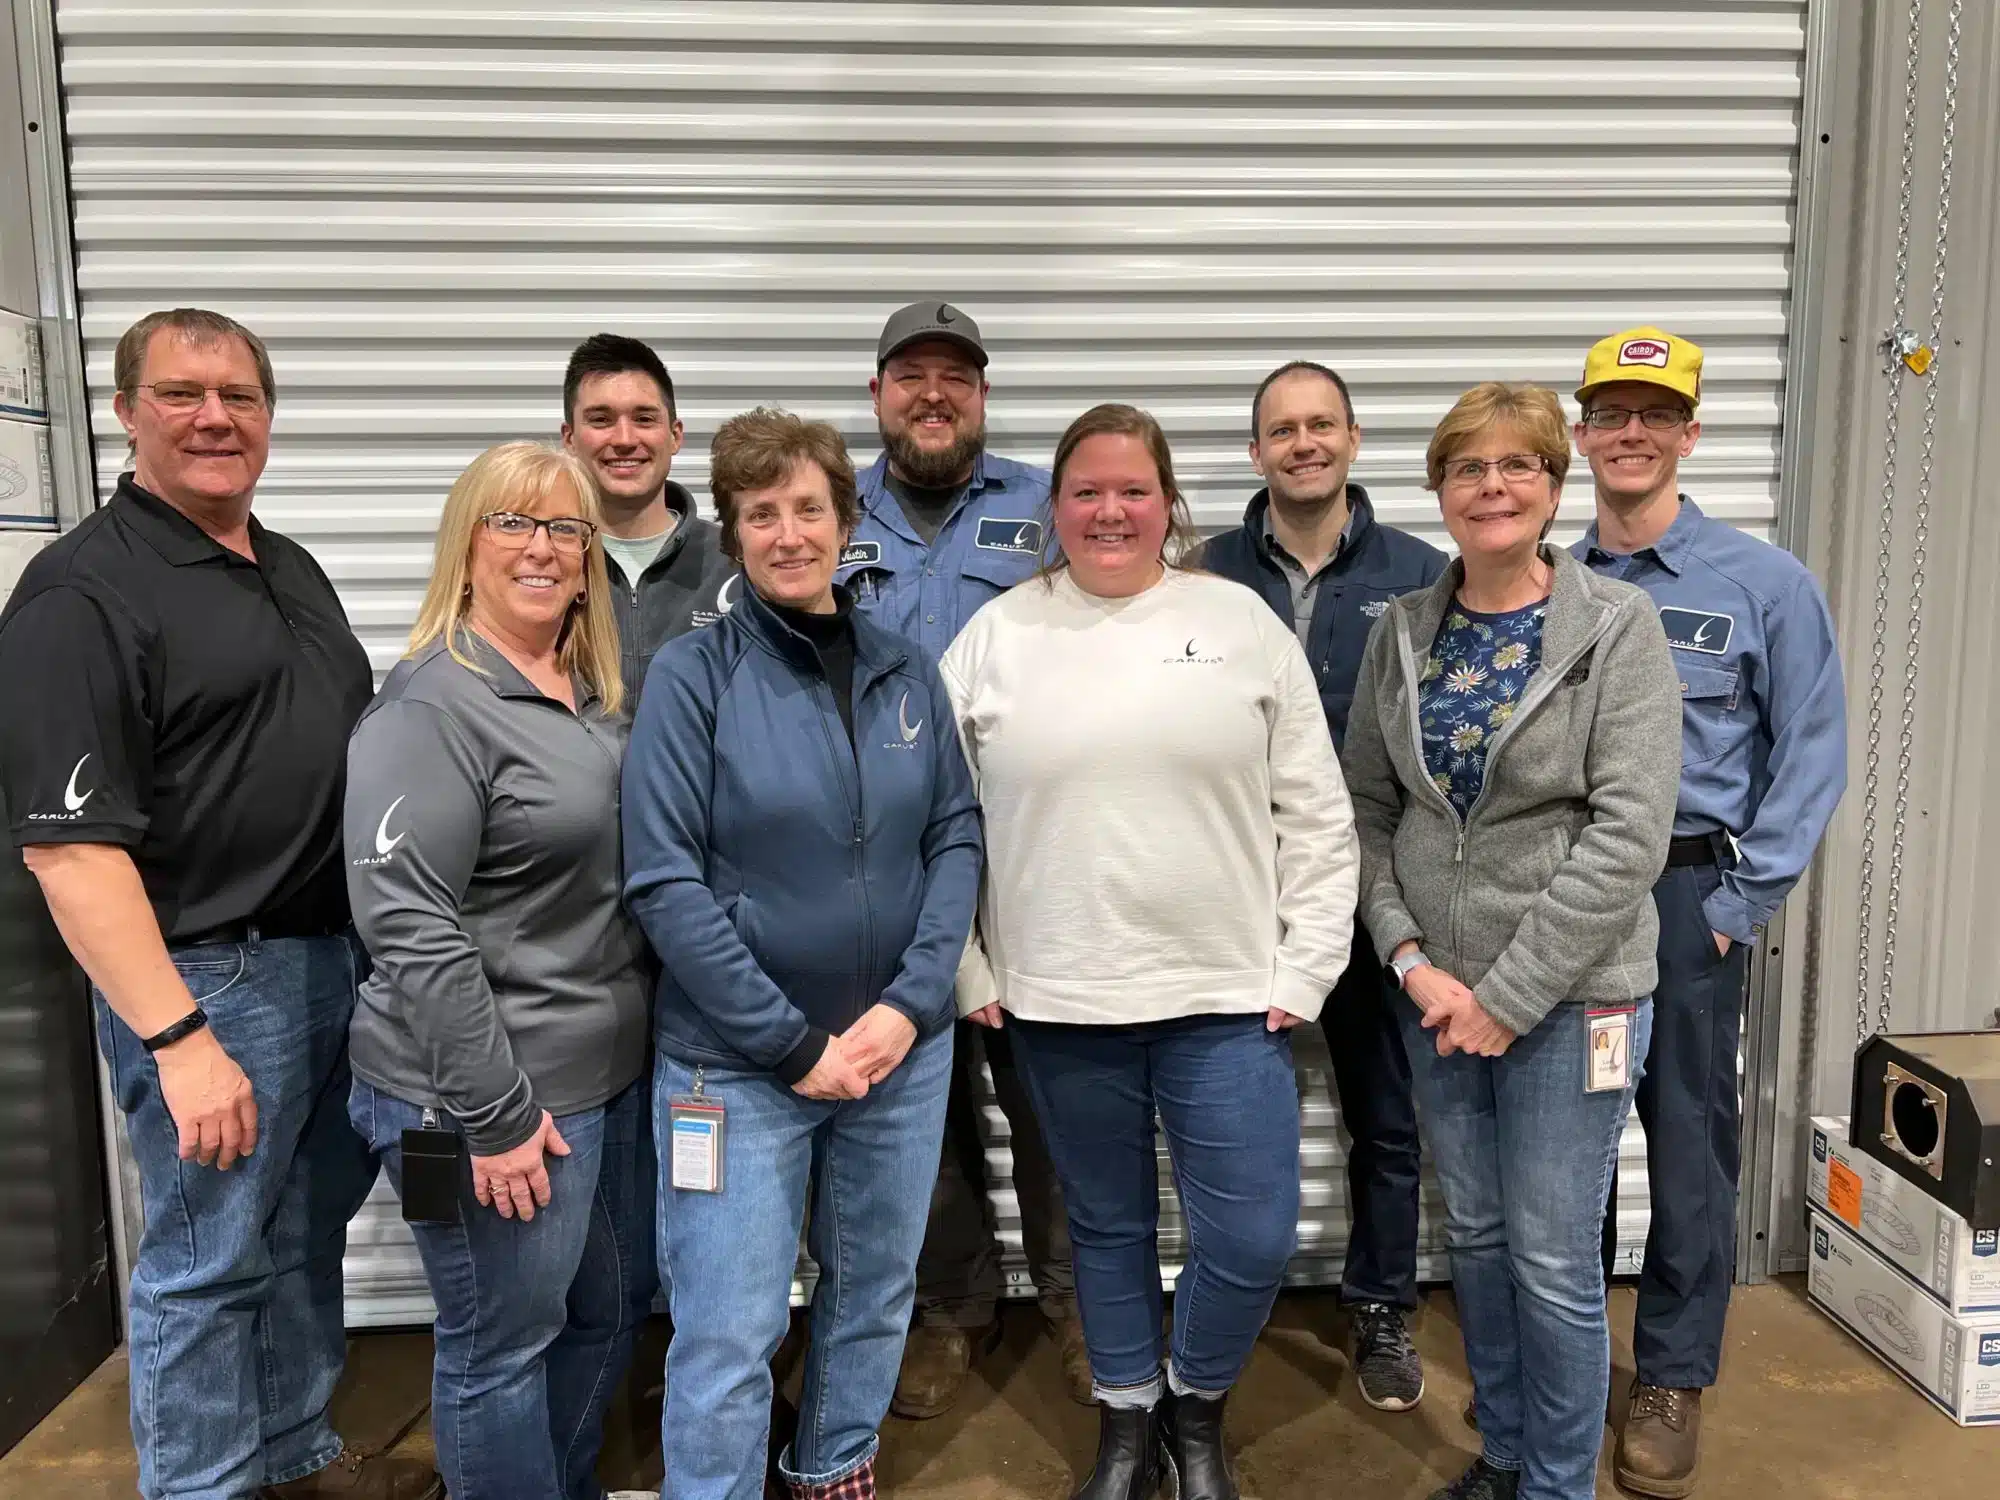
186,1026
1403,967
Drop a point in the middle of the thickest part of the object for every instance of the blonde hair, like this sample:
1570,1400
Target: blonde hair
524,477
1534,411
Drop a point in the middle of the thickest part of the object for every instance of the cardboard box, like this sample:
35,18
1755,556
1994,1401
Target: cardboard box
1954,1361
1914,1232
22,393
16,548
27,485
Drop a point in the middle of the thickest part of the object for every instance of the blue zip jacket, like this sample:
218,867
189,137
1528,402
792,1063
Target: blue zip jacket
1375,564
789,880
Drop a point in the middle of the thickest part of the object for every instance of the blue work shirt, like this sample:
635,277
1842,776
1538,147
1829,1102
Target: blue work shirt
1764,720
991,540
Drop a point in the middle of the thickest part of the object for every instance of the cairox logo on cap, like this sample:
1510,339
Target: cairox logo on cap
1644,352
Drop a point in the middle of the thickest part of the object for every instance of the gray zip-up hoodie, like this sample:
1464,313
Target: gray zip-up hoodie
485,870
1542,894
686,586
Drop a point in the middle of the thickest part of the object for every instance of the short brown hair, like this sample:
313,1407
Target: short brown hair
196,325
1116,419
761,448
1534,411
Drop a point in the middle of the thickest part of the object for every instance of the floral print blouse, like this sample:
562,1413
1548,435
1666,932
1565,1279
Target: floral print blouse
1478,668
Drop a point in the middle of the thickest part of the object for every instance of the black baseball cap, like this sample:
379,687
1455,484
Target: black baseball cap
929,320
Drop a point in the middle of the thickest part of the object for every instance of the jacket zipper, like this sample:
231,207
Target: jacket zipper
857,822
1540,691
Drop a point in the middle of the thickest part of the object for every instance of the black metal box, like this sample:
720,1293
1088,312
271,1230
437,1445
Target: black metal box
1928,1108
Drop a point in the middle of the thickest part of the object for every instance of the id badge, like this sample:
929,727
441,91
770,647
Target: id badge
1608,1061
695,1124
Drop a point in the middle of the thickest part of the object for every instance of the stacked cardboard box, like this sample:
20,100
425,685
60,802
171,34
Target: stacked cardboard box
1906,1276
27,489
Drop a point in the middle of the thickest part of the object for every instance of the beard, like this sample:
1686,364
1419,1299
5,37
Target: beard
934,468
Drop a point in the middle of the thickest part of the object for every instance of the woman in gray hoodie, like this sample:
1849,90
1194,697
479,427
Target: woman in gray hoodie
1514,756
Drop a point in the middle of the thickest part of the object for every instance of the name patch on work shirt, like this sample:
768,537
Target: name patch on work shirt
1695,630
855,553
999,535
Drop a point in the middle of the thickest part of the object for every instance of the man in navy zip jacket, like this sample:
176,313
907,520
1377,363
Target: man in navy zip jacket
1311,546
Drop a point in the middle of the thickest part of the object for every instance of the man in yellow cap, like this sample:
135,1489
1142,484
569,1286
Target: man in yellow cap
1763,763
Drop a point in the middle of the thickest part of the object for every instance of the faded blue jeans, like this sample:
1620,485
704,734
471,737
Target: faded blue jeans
1227,1099
728,1258
1524,1156
237,1336
535,1319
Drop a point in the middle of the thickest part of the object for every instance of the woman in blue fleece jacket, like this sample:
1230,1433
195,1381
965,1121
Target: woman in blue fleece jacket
802,847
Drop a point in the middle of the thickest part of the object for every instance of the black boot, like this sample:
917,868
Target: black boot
1192,1428
1128,1455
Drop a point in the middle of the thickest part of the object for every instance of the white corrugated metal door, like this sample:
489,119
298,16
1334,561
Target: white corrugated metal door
422,206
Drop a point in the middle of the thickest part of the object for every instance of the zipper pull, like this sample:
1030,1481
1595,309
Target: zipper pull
1458,856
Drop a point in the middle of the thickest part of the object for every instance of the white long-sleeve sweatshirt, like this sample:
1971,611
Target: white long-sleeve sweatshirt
1167,830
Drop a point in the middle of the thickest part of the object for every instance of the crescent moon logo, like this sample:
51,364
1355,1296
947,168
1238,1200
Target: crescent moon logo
725,596
909,730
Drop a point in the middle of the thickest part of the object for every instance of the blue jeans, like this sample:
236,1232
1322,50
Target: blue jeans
237,1336
728,1259
535,1320
1524,1156
1227,1098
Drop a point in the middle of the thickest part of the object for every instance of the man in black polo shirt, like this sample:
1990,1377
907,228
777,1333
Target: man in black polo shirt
1310,544
177,793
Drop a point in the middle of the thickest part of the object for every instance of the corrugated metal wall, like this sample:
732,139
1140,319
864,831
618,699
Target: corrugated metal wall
422,206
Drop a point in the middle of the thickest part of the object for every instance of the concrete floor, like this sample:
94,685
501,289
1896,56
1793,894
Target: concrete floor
1802,1412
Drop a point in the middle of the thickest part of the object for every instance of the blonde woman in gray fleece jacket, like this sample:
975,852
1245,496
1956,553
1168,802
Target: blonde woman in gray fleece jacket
1513,757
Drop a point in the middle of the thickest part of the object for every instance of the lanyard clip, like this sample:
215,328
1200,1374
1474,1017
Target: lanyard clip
431,1121
699,1071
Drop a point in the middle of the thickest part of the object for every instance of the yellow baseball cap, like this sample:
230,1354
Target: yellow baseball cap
1645,354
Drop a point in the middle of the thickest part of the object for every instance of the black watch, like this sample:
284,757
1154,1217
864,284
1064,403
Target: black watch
187,1025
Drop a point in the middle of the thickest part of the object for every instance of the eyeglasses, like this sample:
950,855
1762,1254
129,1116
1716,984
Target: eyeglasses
186,395
1515,468
566,533
1613,418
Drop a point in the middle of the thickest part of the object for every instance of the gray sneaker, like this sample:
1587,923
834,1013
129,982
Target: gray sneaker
1481,1482
1387,1366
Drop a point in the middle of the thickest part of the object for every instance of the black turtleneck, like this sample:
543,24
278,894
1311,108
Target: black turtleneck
832,636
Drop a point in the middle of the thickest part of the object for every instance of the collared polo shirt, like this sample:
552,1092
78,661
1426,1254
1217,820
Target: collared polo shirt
1304,587
1764,712
189,705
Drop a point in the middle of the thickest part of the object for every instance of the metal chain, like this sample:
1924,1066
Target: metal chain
1900,343
1893,367
1922,511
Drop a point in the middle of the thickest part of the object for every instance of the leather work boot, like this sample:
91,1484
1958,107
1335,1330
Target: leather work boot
1068,1330
936,1360
354,1475
1128,1455
1661,1446
1191,1432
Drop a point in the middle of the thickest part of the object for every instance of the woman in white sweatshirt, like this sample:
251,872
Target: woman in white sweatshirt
1169,889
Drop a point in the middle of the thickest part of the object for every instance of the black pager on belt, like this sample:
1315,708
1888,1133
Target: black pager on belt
433,1173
